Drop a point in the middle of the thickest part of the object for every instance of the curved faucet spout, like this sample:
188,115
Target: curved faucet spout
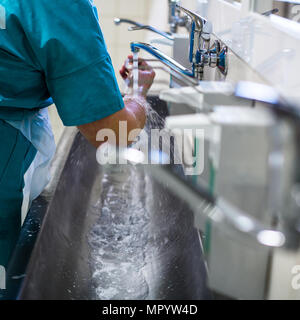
162,57
167,35
118,21
139,26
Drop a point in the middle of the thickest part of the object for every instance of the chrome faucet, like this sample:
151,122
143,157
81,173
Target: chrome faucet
201,53
287,111
119,21
139,26
165,59
213,208
191,76
175,19
223,213
167,35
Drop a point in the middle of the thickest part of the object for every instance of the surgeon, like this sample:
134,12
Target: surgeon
52,51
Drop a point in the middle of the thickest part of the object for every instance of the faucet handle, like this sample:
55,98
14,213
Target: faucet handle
201,25
207,30
196,18
199,37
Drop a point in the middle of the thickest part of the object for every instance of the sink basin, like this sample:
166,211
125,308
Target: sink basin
113,233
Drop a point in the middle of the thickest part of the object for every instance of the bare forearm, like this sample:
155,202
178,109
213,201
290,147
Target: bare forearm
137,106
133,114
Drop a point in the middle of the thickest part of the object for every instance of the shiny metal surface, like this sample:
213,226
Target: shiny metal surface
196,18
175,19
216,209
200,34
166,35
201,52
157,243
171,63
139,26
268,95
119,21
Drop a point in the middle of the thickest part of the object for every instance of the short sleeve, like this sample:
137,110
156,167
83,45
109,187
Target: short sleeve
87,95
68,44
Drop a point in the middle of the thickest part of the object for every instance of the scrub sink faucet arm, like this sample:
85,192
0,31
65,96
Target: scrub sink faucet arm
139,26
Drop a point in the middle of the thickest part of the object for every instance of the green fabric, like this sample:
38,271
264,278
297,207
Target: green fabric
50,51
56,49
17,153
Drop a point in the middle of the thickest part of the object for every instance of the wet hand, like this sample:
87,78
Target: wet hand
146,75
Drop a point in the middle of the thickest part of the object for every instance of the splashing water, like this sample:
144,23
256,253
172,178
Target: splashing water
129,234
157,137
124,235
116,241
132,231
135,73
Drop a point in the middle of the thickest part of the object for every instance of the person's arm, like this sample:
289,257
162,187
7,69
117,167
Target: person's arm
70,53
134,112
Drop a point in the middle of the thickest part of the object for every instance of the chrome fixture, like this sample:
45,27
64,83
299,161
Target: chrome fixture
289,111
201,52
189,75
163,58
119,21
268,95
270,12
224,214
167,35
215,208
139,26
175,19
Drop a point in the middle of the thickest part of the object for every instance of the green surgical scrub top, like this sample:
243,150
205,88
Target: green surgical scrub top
54,49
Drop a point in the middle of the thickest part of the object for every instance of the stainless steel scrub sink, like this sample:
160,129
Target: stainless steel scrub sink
113,233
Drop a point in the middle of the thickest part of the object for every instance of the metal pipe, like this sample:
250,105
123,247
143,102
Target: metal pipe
268,13
166,35
162,57
218,210
200,35
268,95
139,26
175,20
118,21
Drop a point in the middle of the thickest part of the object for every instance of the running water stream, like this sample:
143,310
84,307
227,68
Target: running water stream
123,236
135,73
139,245
130,234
